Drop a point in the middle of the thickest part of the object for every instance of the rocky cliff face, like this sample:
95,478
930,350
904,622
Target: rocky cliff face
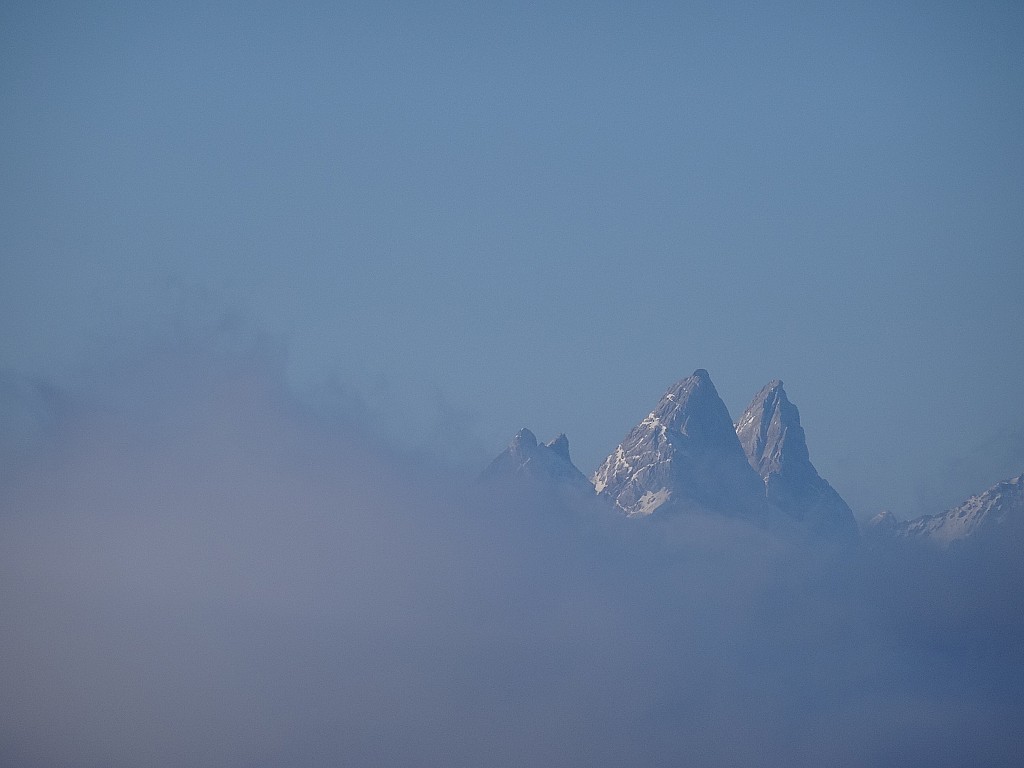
776,448
683,455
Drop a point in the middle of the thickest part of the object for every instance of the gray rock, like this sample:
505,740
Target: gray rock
685,455
776,448
539,464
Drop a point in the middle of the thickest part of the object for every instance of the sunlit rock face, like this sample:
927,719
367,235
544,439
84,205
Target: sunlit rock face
683,455
776,448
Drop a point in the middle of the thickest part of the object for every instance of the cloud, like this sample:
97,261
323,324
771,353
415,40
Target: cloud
202,569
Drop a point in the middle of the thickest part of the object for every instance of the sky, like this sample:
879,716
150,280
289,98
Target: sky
278,280
466,218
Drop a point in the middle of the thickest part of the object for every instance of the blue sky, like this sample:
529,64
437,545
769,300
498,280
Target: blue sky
277,280
480,217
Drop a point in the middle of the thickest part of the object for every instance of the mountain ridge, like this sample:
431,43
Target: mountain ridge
541,464
983,514
687,455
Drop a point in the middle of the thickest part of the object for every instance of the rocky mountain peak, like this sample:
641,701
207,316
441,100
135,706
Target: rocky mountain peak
776,448
524,442
769,431
684,454
560,445
884,522
546,464
692,408
991,513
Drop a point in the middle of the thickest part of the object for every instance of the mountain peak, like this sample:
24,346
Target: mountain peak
559,445
776,448
684,454
884,523
998,509
769,430
693,407
524,440
546,464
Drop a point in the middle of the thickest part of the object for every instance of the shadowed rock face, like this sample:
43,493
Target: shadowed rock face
769,426
776,448
684,455
538,463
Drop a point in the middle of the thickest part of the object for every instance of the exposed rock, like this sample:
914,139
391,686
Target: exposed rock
776,448
683,455
546,464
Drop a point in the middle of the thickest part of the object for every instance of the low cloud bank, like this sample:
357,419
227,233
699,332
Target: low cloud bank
196,569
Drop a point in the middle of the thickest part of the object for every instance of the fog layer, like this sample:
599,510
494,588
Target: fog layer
197,570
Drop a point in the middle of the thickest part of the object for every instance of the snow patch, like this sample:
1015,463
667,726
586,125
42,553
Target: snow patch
649,502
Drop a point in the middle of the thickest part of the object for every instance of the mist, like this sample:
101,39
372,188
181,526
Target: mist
198,567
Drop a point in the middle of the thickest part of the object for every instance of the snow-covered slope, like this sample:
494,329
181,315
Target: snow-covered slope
683,455
999,508
769,431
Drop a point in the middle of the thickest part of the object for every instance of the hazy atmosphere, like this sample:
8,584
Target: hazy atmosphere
482,217
278,280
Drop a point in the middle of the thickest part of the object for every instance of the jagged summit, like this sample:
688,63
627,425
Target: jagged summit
560,445
776,448
539,463
524,440
688,455
769,425
995,511
684,454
